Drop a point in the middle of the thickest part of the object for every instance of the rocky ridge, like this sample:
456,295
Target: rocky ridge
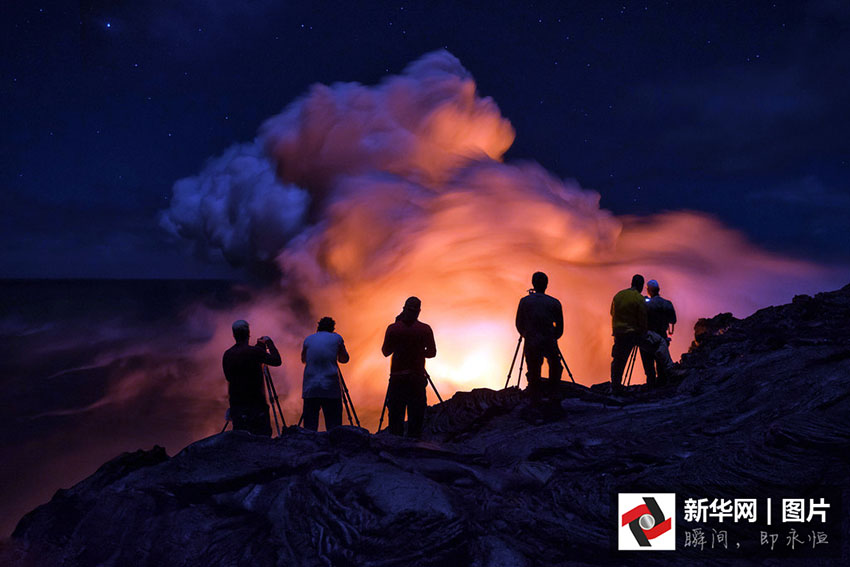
496,480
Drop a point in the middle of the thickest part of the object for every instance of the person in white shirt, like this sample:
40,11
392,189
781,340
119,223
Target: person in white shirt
320,354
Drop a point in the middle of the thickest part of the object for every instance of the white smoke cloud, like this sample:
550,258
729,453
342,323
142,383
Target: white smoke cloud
250,201
237,206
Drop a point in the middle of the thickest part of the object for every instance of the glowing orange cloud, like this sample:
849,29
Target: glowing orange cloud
409,196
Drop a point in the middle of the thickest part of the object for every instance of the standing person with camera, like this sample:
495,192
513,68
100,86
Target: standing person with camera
320,354
540,321
629,326
243,369
410,342
661,321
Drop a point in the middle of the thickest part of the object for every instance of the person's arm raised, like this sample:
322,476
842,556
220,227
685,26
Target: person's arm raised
387,348
272,357
430,346
342,354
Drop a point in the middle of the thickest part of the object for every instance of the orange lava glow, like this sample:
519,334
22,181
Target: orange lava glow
411,197
469,251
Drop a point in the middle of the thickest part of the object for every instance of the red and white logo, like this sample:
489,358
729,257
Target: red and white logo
646,522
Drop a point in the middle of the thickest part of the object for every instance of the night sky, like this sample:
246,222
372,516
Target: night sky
737,109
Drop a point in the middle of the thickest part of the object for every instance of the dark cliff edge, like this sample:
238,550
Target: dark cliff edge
762,409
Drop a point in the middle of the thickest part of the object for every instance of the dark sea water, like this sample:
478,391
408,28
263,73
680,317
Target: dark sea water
93,368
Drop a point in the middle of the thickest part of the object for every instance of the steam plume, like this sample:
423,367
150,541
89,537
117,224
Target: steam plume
408,196
236,206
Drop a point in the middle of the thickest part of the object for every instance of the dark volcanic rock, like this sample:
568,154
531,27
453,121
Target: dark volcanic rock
763,406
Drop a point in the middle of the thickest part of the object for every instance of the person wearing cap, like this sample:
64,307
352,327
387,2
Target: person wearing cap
661,321
540,321
629,326
243,369
410,342
320,390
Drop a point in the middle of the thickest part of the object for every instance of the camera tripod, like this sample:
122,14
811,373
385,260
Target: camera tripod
387,396
273,402
226,420
561,359
630,365
346,400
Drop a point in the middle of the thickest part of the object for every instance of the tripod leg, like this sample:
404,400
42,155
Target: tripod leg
351,405
226,420
383,410
279,412
274,412
347,410
513,361
347,394
521,360
567,368
433,386
631,365
354,411
273,400
276,400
